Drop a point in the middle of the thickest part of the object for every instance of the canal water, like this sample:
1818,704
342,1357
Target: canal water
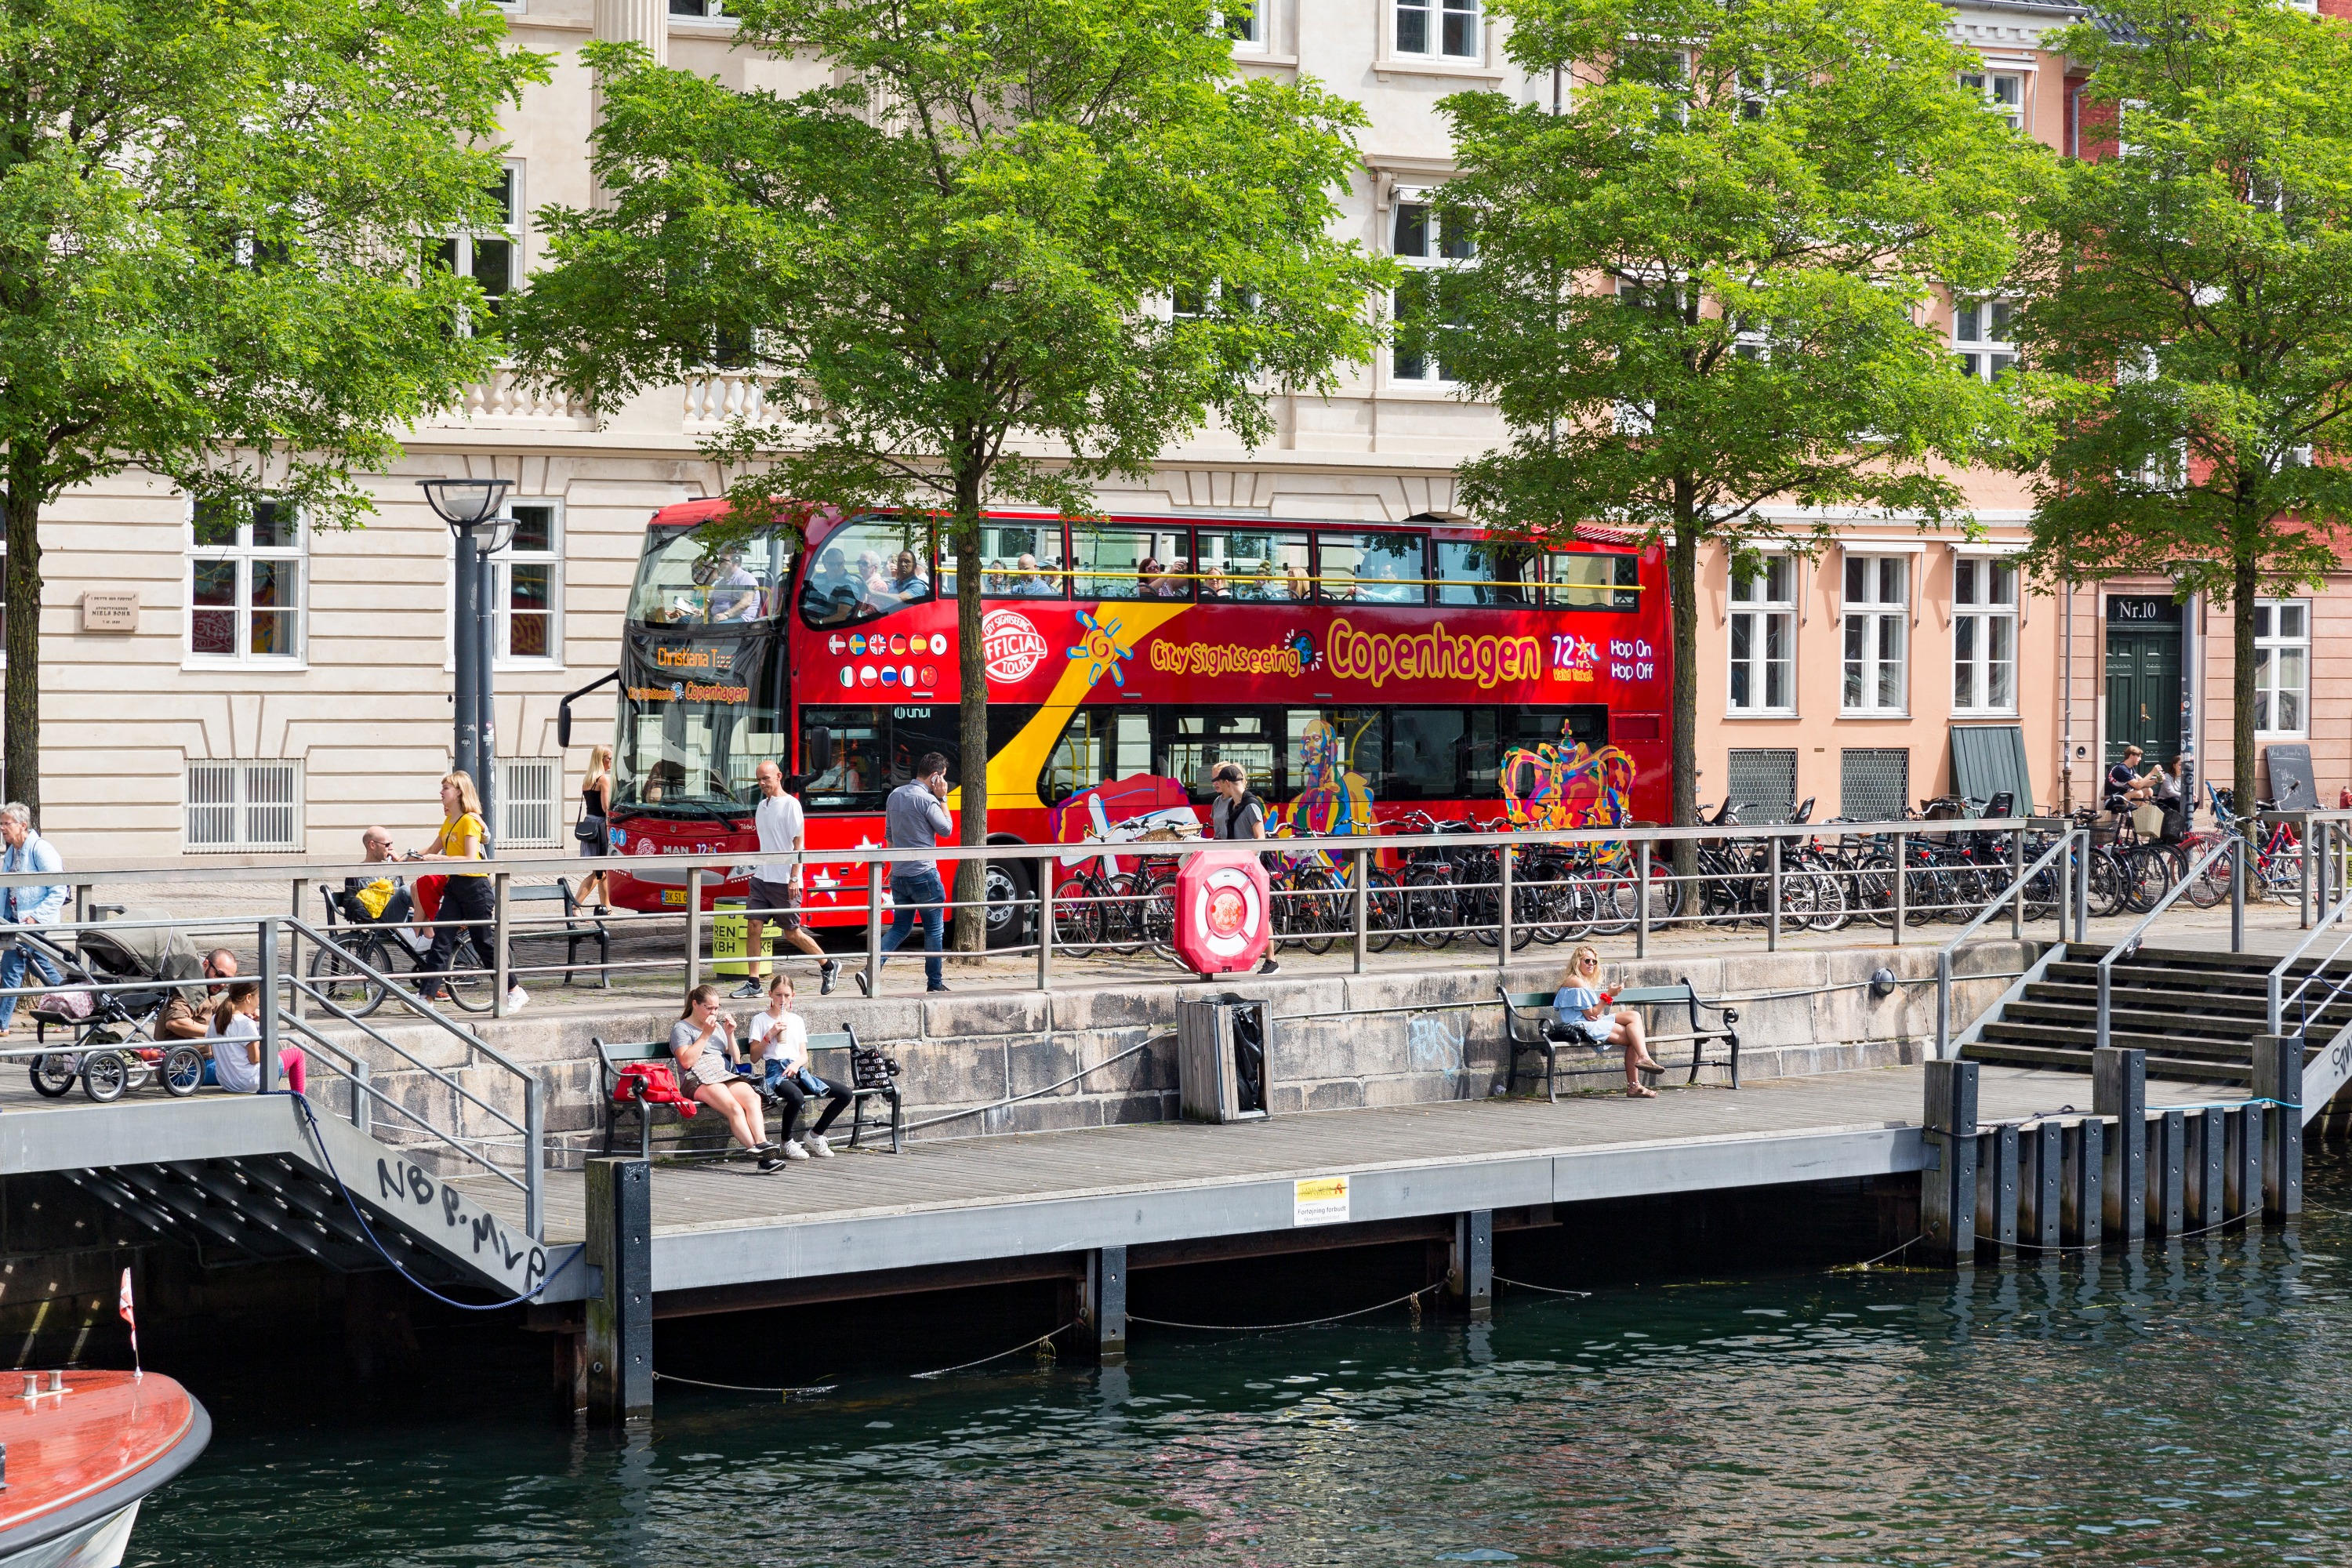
2190,1404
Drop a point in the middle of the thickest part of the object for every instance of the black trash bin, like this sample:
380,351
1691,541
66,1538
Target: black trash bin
1224,1054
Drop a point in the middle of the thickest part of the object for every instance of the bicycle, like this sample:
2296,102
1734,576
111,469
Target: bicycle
339,969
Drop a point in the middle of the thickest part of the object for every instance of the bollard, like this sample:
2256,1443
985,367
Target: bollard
1470,1264
1997,1204
2204,1195
1947,1188
2119,1089
1102,1305
2167,1164
2040,1166
619,1257
2278,1076
2082,1158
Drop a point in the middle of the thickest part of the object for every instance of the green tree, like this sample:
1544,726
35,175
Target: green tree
950,269
209,219
1700,285
2188,313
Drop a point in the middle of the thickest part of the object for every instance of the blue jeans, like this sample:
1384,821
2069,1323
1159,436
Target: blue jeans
918,895
12,975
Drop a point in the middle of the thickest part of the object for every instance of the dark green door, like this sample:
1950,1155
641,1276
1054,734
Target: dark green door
2143,678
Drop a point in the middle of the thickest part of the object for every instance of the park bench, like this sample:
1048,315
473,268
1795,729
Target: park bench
831,1055
1527,1029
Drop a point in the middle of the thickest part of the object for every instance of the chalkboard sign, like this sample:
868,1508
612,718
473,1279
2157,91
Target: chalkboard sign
2292,788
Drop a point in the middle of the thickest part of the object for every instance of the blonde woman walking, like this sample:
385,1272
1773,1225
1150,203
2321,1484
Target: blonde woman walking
595,831
1581,1012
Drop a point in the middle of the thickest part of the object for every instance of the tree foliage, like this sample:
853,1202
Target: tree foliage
2188,311
208,263
1703,286
949,268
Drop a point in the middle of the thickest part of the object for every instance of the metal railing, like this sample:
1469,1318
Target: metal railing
2074,881
2237,848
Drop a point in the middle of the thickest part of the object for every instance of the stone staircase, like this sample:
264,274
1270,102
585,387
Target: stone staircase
2196,1014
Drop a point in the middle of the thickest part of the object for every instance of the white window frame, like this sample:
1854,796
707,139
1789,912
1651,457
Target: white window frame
502,566
1434,14
697,11
1878,613
2266,684
1982,355
1760,612
1989,82
1984,615
1252,39
244,554
1432,259
544,828
461,243
240,795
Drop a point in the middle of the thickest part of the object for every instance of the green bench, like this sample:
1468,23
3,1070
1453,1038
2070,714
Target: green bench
1527,1027
829,1054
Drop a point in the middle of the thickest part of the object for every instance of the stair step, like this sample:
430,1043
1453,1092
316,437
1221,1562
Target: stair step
2154,1044
2123,1016
2007,1055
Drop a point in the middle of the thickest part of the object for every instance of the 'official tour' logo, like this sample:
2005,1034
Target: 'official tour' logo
1010,647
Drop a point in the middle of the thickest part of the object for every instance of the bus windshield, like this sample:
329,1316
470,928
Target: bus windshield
696,720
687,577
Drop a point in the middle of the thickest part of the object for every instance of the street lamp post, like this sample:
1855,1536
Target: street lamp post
471,509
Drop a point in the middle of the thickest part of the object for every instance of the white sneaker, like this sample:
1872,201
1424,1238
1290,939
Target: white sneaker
817,1146
793,1151
517,999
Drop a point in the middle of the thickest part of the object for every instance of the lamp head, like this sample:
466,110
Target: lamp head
465,503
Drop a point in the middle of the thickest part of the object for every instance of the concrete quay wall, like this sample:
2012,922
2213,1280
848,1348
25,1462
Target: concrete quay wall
1341,1042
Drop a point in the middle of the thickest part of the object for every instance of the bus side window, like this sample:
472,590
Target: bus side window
1483,572
1424,753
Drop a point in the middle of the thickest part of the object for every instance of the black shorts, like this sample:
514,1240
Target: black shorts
781,900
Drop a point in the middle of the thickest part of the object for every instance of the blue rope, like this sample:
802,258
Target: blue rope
310,1115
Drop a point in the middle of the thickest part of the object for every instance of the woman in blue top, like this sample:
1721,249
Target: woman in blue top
1583,1015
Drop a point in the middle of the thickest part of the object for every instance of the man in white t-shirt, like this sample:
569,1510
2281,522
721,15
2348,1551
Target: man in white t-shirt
776,883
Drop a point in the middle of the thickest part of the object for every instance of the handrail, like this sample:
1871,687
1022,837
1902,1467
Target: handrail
2276,1016
2233,845
1944,954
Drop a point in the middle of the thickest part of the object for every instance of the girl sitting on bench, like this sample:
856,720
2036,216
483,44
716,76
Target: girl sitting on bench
702,1043
1582,1010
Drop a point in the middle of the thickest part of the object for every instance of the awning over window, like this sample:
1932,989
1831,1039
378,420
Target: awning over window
1987,759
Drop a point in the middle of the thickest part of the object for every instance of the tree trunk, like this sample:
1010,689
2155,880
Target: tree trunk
971,715
1682,599
23,717
2245,581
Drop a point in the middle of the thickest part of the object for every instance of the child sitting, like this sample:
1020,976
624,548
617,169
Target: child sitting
781,1037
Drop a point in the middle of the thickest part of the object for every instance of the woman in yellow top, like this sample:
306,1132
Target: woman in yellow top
468,895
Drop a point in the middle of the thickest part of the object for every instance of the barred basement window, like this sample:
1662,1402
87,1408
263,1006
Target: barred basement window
1763,784
243,806
1873,783
526,790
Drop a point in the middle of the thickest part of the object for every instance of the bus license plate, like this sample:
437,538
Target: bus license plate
673,898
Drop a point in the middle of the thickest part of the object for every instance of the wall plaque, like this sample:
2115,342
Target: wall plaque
109,611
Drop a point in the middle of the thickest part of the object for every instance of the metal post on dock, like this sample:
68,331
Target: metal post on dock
2119,1089
363,1107
1470,1264
293,946
1642,899
267,1079
2167,1164
694,930
1045,869
1503,909
2238,895
1102,1305
1772,894
2017,881
2303,877
1362,874
2082,890
501,963
619,1257
2278,1077
534,1158
2083,1157
1997,1191
873,927
1948,1189
2041,1167
1902,892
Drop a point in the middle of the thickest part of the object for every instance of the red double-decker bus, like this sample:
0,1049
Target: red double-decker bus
1360,671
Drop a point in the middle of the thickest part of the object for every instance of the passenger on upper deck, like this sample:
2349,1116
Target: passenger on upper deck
735,593
907,580
1029,582
830,596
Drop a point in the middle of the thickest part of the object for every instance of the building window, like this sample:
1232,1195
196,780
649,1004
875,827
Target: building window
1244,22
706,9
1984,636
527,585
2004,94
1877,623
245,582
492,257
1446,28
1873,783
1423,318
1762,784
528,818
243,806
1981,337
1764,637
2282,667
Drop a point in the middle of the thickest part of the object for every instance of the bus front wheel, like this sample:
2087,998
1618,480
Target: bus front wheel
1012,906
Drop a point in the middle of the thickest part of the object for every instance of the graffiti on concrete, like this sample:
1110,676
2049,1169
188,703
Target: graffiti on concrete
456,1223
1435,1041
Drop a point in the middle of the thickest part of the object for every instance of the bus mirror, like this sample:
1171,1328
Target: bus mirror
816,752
562,725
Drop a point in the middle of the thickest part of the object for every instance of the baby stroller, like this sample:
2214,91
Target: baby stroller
114,1048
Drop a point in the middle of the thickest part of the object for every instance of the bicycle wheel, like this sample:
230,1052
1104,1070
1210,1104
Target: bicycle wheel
1077,917
1156,912
2145,879
2212,885
1607,904
1320,913
1384,920
1873,889
2110,883
1799,902
337,980
1431,907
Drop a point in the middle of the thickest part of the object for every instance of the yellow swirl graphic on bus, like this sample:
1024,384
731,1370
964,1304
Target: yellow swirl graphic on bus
1433,655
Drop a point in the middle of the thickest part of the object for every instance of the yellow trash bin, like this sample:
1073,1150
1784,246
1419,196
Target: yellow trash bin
727,939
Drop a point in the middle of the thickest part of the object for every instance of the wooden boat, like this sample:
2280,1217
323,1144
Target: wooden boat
78,1450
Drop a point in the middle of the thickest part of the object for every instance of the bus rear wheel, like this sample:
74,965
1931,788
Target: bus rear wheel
1012,906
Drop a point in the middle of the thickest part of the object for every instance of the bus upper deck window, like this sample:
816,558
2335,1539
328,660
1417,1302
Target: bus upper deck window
1252,566
1599,582
867,568
1017,560
1372,568
1111,563
1484,572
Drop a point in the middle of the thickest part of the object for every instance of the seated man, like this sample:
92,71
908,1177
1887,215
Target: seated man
907,579
376,900
2126,788
188,1015
735,593
1029,580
